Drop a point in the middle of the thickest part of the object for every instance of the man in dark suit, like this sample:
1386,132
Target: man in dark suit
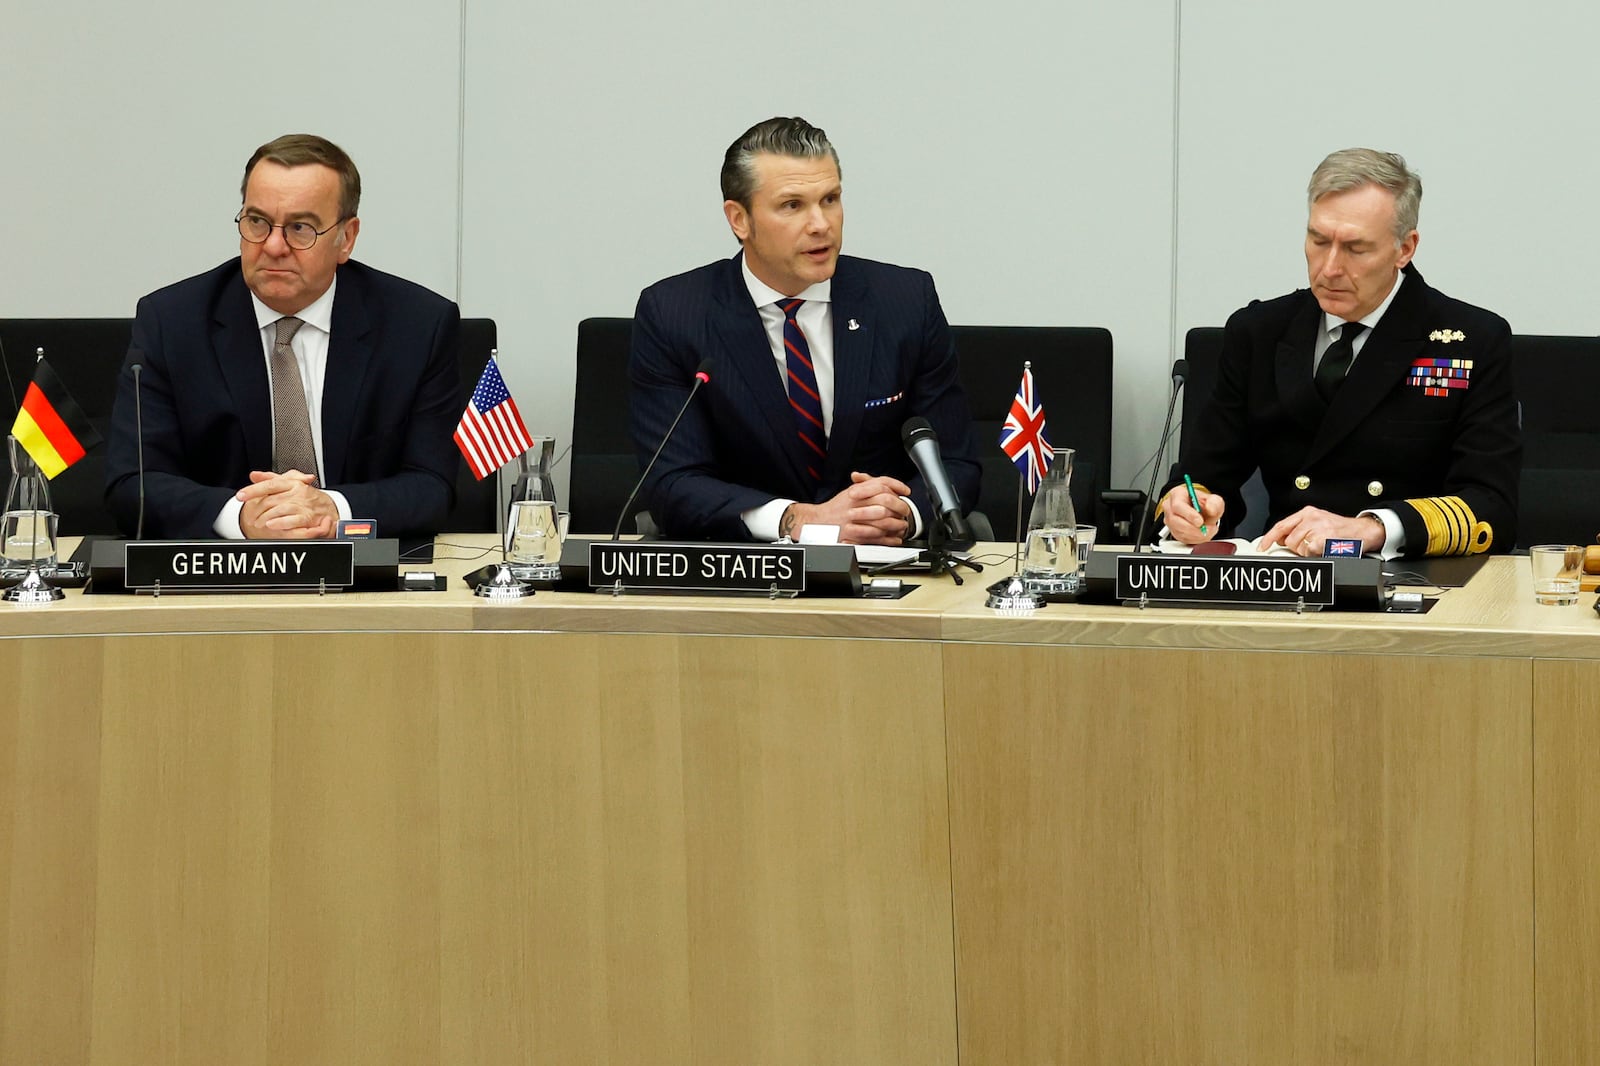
1378,408
291,387
817,359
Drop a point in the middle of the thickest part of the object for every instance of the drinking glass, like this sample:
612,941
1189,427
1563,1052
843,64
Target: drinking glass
1557,569
1086,538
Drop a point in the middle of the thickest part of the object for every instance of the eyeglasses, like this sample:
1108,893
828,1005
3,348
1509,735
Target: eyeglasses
297,235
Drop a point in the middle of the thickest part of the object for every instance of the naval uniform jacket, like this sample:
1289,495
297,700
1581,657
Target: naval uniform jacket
1425,424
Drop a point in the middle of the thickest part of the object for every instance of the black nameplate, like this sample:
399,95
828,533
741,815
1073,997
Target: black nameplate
1226,579
701,567
242,565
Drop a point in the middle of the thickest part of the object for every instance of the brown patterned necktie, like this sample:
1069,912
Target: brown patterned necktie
292,447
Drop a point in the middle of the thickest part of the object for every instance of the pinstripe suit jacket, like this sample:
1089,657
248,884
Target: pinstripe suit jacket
736,448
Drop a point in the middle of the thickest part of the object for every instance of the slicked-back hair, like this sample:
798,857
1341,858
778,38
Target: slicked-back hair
793,137
307,149
1351,168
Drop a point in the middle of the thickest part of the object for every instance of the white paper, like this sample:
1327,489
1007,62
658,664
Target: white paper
884,555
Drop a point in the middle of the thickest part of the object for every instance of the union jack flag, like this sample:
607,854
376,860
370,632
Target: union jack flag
491,433
1022,437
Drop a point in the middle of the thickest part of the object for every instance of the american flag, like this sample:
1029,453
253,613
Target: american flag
491,433
1022,437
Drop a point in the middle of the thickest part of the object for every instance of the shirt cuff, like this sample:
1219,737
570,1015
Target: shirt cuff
227,524
341,503
762,522
916,518
1394,534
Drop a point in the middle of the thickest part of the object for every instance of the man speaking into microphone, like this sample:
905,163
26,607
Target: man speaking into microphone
820,358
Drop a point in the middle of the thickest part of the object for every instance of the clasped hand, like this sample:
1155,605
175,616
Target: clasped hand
873,510
286,506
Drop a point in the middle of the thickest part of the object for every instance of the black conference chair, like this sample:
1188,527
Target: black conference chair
604,467
1202,349
476,501
1558,383
86,354
1072,373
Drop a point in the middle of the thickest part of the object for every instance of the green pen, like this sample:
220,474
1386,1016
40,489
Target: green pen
1195,501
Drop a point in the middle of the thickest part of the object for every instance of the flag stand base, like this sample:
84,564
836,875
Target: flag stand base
32,590
503,586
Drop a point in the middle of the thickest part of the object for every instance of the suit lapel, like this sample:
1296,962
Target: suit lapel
747,354
349,352
1384,359
243,361
852,359
1296,355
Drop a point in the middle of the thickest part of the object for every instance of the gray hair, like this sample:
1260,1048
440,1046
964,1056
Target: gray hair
794,137
1351,168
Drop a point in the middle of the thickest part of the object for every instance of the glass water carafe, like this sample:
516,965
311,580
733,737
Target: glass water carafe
28,525
1052,543
534,481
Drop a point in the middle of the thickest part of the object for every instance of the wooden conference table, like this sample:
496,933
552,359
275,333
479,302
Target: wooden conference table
425,828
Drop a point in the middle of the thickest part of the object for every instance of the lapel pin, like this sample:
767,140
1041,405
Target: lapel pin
854,325
1445,336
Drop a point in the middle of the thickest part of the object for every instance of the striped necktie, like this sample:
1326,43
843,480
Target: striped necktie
803,395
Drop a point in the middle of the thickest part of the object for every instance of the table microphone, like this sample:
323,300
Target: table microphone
702,374
1180,374
922,444
138,435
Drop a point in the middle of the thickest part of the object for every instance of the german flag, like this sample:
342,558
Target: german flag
51,426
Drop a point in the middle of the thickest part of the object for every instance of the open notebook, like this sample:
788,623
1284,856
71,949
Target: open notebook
1241,546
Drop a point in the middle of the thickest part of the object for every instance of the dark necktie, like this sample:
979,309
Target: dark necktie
292,448
804,398
1336,360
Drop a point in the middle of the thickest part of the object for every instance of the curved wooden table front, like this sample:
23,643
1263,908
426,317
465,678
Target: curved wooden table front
427,829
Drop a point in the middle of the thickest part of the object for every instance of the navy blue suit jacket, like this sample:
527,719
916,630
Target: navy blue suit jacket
389,404
737,448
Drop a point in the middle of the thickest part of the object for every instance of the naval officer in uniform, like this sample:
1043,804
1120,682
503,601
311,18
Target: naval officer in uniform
1376,407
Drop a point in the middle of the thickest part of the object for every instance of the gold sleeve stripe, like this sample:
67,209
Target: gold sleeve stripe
1452,527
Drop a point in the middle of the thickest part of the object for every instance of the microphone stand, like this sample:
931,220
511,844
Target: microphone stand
941,560
1180,373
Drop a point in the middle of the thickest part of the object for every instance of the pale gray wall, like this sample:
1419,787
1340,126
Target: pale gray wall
1491,103
1022,155
124,130
542,162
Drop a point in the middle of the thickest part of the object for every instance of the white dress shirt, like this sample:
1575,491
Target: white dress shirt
1394,534
310,347
815,319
